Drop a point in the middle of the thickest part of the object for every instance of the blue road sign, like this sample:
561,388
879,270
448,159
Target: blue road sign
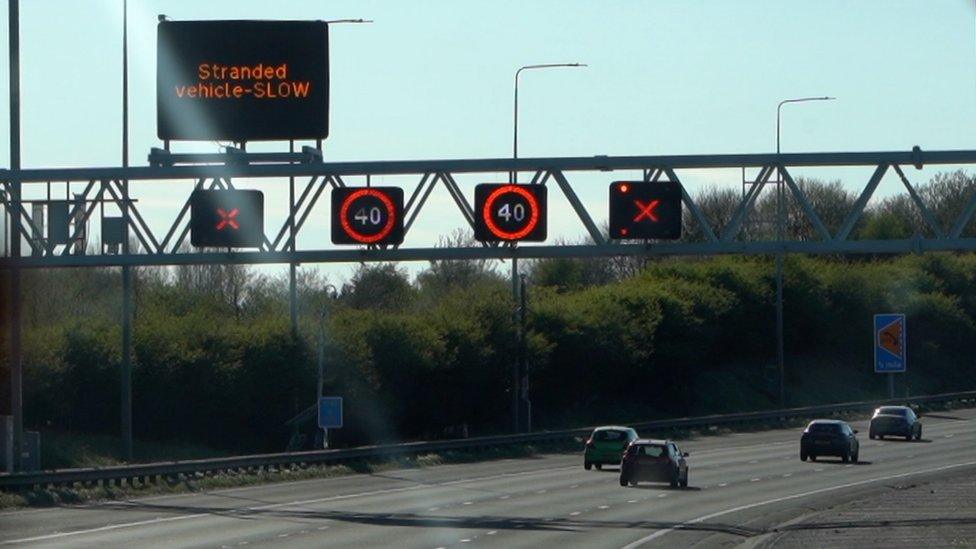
330,412
889,343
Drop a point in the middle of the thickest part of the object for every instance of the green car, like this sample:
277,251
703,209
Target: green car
606,446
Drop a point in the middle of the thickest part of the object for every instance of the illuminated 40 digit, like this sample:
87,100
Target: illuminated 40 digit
510,213
367,215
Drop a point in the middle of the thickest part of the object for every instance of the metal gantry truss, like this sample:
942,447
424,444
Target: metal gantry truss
106,185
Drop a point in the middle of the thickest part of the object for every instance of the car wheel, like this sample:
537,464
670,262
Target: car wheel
813,458
881,437
872,436
633,483
587,465
918,435
845,457
674,481
803,456
855,458
623,481
908,437
684,481
599,466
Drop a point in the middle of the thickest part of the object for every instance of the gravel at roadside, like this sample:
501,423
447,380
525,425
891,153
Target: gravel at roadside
941,513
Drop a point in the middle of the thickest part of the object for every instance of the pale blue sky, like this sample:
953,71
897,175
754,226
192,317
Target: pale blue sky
433,79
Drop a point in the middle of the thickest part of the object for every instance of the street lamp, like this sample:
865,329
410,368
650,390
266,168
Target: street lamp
779,254
516,112
512,175
332,294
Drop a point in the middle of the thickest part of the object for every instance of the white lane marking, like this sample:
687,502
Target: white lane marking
603,507
542,491
466,503
434,509
662,495
491,532
787,475
753,461
465,540
322,528
242,543
723,484
574,513
757,479
575,486
504,497
631,501
703,518
818,469
282,535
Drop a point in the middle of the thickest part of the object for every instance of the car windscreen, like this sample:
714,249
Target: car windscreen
830,428
609,435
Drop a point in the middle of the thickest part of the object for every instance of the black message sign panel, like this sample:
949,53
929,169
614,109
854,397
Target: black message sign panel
242,80
227,218
367,215
645,210
508,212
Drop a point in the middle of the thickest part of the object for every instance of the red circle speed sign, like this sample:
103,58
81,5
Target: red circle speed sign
390,214
530,221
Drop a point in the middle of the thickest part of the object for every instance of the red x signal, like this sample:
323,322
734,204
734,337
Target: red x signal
228,219
647,210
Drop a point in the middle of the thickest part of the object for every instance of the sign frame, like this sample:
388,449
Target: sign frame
885,361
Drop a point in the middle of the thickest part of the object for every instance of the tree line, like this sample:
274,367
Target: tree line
430,355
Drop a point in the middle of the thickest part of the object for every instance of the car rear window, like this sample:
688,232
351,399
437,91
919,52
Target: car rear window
824,428
609,435
891,411
650,450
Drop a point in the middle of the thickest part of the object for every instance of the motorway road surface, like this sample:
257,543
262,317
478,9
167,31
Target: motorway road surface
741,485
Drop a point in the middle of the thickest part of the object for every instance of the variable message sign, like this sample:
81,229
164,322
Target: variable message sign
367,215
227,218
242,80
509,212
641,209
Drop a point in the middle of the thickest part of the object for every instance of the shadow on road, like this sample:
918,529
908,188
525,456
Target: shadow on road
903,441
435,521
666,487
881,523
839,461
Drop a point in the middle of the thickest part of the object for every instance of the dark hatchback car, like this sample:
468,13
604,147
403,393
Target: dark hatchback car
606,446
654,461
829,437
899,421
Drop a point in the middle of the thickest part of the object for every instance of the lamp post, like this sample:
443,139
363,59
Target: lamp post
516,281
780,204
332,294
293,267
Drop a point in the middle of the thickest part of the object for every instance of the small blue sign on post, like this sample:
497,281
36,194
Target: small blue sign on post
889,343
330,412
